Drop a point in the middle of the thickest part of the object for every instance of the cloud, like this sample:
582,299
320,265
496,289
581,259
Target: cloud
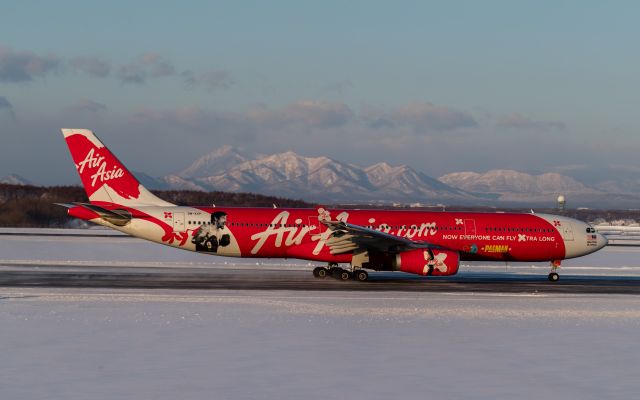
210,80
87,106
310,113
94,66
518,121
422,117
5,104
189,117
425,117
145,66
317,113
246,125
6,107
232,127
24,66
380,123
157,65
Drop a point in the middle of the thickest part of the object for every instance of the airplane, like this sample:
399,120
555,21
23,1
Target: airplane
428,243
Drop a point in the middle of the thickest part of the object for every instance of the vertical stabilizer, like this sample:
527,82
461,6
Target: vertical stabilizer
104,177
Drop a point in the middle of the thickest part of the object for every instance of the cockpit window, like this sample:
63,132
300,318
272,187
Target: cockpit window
591,230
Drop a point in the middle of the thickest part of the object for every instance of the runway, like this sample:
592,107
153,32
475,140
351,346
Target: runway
62,276
77,258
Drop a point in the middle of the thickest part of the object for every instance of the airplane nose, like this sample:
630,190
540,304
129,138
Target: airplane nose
602,240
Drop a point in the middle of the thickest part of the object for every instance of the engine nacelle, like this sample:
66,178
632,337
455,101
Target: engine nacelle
427,262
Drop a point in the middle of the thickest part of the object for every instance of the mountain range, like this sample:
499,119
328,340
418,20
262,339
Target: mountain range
326,180
323,179
312,178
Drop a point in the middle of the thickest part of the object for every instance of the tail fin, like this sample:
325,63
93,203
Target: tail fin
104,177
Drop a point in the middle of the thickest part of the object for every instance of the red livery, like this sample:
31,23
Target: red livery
418,242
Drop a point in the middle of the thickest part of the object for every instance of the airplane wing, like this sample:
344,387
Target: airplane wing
347,238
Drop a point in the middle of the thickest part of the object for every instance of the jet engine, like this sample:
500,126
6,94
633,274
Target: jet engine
427,262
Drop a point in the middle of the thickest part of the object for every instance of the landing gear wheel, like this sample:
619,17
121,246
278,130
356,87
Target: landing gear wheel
361,276
336,272
554,277
320,272
345,275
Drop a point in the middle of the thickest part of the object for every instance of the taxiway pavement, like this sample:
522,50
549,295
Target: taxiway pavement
48,275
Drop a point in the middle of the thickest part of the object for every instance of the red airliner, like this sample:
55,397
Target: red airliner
418,242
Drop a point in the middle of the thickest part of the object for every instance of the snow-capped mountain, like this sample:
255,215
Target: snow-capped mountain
515,186
150,182
407,181
176,182
509,181
212,163
15,179
326,180
288,174
312,178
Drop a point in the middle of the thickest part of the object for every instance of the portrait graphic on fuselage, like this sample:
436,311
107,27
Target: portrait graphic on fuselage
215,237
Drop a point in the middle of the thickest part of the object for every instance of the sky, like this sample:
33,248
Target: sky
441,86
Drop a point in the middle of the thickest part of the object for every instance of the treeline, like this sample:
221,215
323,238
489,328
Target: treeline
33,206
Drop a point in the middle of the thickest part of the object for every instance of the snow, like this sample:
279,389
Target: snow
191,344
200,345
510,182
15,179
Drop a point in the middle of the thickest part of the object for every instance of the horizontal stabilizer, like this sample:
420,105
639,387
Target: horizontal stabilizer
116,217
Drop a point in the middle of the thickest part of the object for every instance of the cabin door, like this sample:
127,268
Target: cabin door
470,226
566,230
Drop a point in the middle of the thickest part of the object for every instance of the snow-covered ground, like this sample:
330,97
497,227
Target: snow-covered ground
189,344
88,344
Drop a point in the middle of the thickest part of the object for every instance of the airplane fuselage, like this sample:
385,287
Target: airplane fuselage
297,233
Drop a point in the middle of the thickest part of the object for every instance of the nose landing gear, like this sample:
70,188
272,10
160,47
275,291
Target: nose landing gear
553,275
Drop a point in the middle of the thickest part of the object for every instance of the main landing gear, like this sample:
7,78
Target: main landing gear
553,275
334,271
